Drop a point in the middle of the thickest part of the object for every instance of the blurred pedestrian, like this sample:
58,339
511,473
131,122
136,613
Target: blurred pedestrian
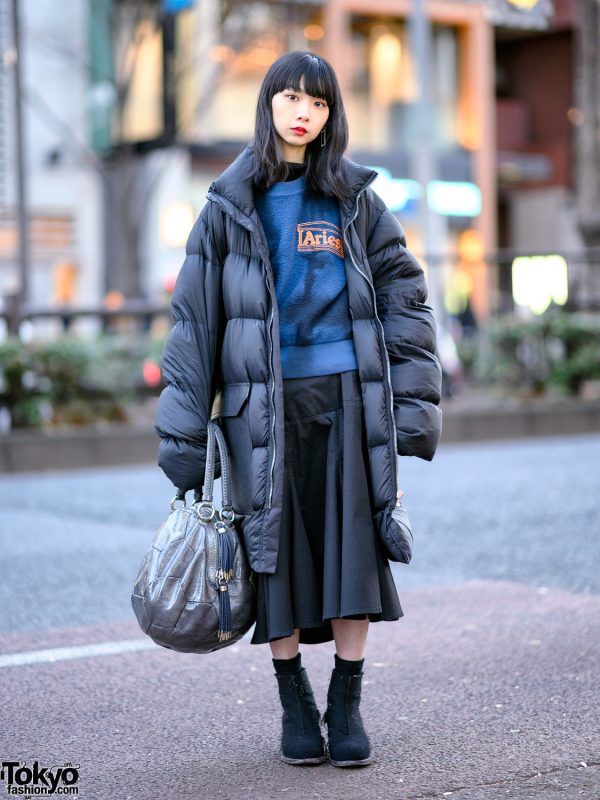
300,324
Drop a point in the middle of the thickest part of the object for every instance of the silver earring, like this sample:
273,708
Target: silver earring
323,137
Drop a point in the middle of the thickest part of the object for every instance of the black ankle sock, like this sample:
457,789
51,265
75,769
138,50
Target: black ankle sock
287,666
348,667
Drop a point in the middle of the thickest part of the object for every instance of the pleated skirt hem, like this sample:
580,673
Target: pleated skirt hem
324,627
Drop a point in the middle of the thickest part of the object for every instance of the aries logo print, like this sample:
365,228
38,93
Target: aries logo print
320,235
36,781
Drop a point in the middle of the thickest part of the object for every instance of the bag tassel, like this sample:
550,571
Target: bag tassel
224,575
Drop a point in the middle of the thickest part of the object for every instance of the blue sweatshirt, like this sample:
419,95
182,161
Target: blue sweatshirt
307,255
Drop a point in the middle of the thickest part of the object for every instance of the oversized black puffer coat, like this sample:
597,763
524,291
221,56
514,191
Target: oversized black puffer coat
222,357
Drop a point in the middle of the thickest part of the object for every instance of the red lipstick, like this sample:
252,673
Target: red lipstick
299,130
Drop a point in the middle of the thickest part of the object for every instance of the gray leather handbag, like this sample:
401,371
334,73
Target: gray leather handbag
194,591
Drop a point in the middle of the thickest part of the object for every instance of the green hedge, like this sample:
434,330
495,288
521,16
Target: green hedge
75,381
554,353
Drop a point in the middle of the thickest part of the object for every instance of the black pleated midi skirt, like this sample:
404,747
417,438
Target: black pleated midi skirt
329,562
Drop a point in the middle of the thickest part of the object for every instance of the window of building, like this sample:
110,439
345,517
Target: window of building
383,84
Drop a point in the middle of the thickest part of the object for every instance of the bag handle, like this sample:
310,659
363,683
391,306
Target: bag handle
227,514
215,433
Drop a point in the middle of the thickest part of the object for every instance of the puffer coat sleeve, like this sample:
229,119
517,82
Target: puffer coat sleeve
191,356
409,333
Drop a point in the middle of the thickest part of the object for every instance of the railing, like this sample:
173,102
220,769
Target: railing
491,275
139,310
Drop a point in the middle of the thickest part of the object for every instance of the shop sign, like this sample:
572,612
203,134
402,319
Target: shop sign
174,6
534,14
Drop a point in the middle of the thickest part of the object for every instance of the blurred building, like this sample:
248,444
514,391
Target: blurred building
64,190
540,111
134,106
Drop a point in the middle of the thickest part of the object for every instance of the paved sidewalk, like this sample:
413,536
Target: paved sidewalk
484,690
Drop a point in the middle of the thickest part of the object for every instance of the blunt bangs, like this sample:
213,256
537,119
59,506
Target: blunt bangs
308,74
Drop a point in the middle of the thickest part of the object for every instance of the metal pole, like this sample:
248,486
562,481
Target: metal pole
587,92
169,94
22,220
420,36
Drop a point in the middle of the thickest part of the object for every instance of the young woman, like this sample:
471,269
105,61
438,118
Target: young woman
300,324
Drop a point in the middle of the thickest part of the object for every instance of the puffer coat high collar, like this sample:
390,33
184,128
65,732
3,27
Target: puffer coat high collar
222,357
235,185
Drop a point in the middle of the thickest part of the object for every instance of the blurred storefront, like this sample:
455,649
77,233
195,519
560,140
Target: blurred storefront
539,120
63,192
168,100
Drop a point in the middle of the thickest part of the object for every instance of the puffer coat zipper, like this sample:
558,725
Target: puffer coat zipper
388,381
243,219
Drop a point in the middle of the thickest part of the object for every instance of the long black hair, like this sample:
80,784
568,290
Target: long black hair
301,70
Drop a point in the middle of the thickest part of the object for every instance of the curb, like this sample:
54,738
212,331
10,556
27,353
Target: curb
518,420
28,451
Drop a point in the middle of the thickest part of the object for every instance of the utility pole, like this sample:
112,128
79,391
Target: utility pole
22,220
431,230
587,91
4,59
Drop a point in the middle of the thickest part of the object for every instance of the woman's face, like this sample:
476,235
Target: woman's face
298,119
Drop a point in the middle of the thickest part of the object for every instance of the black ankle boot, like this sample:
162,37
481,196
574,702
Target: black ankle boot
301,738
349,744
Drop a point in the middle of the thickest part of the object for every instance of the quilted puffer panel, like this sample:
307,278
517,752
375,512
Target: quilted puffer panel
244,290
375,413
184,461
260,466
411,324
415,372
379,465
419,426
359,292
392,265
368,352
245,351
258,413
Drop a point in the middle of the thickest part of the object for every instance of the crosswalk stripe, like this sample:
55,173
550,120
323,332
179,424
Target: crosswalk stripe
51,655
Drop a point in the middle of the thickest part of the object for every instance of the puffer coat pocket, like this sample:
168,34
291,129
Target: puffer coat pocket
229,400
230,407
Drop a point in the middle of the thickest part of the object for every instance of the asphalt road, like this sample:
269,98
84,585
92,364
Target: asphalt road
487,688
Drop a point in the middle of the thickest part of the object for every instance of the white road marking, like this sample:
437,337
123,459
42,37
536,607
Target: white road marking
76,651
